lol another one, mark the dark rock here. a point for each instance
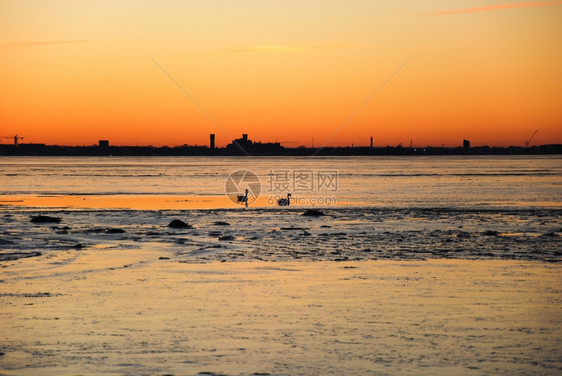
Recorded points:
(550, 234)
(221, 223)
(78, 246)
(226, 237)
(114, 231)
(313, 213)
(163, 258)
(44, 219)
(176, 223)
(96, 230)
(6, 242)
(463, 234)
(17, 255)
(490, 233)
(28, 294)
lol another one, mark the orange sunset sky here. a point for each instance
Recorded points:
(74, 72)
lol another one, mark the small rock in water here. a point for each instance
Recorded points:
(10, 256)
(96, 230)
(490, 233)
(550, 234)
(313, 213)
(176, 223)
(226, 237)
(221, 223)
(114, 231)
(44, 219)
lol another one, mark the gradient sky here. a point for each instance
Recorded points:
(74, 72)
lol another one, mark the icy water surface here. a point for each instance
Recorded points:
(285, 234)
(383, 208)
(132, 313)
(437, 181)
(419, 266)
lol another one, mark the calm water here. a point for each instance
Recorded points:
(458, 181)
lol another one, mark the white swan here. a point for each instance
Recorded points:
(243, 198)
(284, 201)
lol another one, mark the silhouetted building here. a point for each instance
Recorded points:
(212, 144)
(465, 144)
(240, 145)
(371, 142)
(246, 146)
(103, 143)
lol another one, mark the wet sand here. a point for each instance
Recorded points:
(134, 311)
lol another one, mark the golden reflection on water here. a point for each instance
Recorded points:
(138, 202)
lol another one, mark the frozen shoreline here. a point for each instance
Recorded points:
(258, 292)
(130, 312)
(281, 234)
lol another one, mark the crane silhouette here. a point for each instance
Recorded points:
(530, 139)
(16, 139)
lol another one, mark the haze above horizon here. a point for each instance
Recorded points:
(75, 72)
